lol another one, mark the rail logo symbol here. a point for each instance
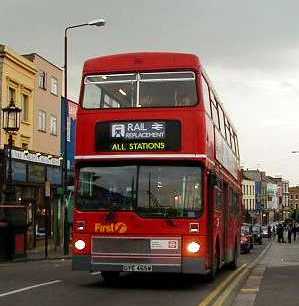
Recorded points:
(113, 228)
(172, 244)
(118, 130)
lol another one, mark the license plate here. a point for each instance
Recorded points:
(137, 268)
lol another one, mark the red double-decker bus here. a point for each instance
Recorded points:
(158, 184)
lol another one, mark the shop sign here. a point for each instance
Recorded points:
(32, 157)
(138, 136)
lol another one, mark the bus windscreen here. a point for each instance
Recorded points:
(150, 190)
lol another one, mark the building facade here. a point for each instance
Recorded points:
(249, 199)
(283, 197)
(294, 197)
(33, 163)
(46, 107)
(17, 83)
(272, 201)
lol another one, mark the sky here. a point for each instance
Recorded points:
(250, 50)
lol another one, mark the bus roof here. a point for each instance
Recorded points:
(141, 61)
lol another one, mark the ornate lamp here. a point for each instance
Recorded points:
(11, 124)
(11, 118)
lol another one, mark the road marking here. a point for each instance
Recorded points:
(30, 287)
(95, 273)
(221, 287)
(249, 290)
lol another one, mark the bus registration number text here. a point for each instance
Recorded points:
(137, 268)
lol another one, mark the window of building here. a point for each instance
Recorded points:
(54, 86)
(42, 80)
(25, 108)
(11, 94)
(24, 146)
(68, 129)
(42, 121)
(53, 125)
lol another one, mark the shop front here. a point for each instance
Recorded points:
(30, 171)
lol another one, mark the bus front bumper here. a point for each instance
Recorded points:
(186, 265)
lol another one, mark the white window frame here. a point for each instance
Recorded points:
(68, 129)
(53, 125)
(54, 86)
(42, 120)
(23, 108)
(42, 81)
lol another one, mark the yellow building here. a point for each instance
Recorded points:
(17, 82)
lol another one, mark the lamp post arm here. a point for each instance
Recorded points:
(74, 26)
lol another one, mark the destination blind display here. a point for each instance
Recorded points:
(138, 136)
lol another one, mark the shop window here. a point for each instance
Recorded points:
(36, 173)
(18, 171)
(54, 175)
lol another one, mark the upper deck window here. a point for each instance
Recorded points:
(165, 89)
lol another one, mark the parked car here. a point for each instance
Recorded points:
(265, 231)
(246, 228)
(245, 241)
(257, 234)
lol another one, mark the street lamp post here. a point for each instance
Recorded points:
(99, 23)
(11, 125)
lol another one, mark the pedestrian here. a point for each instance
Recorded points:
(290, 230)
(295, 231)
(274, 231)
(269, 232)
(279, 233)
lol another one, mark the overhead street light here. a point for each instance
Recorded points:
(98, 23)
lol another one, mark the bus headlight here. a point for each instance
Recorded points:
(193, 247)
(80, 245)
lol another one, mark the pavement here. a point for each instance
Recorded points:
(38, 253)
(274, 281)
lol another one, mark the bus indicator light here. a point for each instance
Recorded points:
(194, 228)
